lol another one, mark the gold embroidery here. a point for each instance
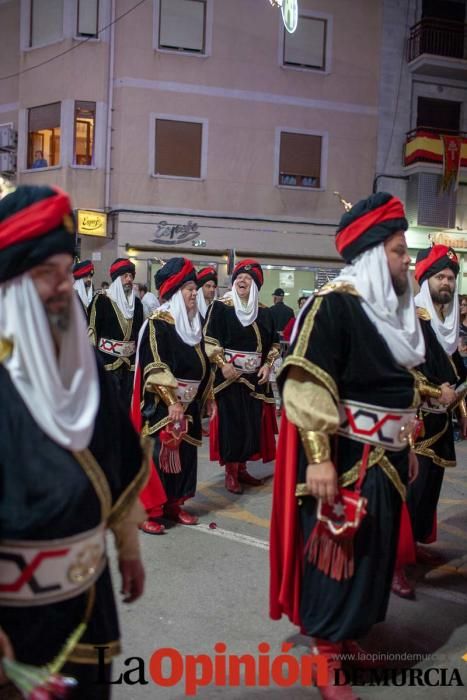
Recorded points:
(96, 476)
(6, 348)
(131, 492)
(423, 314)
(317, 372)
(87, 653)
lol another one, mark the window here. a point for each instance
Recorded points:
(44, 136)
(84, 129)
(306, 47)
(182, 25)
(87, 18)
(300, 160)
(438, 114)
(178, 148)
(46, 22)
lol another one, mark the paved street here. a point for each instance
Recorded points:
(211, 585)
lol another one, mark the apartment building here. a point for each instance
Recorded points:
(423, 98)
(198, 127)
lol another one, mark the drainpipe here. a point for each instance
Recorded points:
(391, 177)
(108, 145)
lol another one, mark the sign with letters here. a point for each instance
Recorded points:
(91, 223)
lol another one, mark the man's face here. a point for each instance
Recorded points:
(189, 291)
(442, 286)
(243, 284)
(88, 281)
(463, 307)
(127, 282)
(209, 291)
(398, 262)
(53, 280)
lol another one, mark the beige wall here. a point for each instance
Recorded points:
(243, 95)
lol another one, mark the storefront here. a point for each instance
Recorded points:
(295, 255)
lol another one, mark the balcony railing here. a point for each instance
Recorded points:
(425, 145)
(438, 38)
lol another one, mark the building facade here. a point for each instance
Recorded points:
(423, 119)
(198, 126)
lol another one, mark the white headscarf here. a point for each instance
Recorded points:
(62, 394)
(246, 313)
(124, 303)
(190, 331)
(446, 331)
(201, 303)
(395, 317)
(84, 294)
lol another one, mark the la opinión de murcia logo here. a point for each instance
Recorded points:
(167, 667)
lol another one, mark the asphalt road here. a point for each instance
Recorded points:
(207, 586)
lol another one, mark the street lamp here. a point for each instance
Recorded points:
(289, 9)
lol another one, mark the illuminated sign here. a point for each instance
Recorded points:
(92, 223)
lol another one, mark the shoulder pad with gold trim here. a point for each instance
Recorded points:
(162, 316)
(340, 287)
(262, 306)
(423, 314)
(6, 348)
(227, 302)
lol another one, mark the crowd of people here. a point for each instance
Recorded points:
(103, 395)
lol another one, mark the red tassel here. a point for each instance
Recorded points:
(169, 460)
(334, 557)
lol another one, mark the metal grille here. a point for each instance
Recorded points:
(324, 275)
(426, 205)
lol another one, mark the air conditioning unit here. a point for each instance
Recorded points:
(426, 205)
(7, 162)
(8, 137)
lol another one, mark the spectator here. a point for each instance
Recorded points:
(463, 314)
(104, 287)
(287, 332)
(280, 313)
(149, 300)
(39, 160)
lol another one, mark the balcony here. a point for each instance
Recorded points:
(425, 145)
(438, 48)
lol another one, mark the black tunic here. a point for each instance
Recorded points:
(435, 448)
(240, 403)
(342, 351)
(45, 494)
(281, 315)
(161, 348)
(107, 321)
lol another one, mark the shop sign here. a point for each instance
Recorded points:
(91, 223)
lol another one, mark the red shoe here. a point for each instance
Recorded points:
(401, 586)
(231, 478)
(245, 478)
(332, 652)
(151, 527)
(426, 556)
(181, 516)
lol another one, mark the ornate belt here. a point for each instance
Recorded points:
(186, 390)
(117, 348)
(38, 572)
(433, 406)
(378, 425)
(247, 362)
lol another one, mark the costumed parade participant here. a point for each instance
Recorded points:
(64, 482)
(242, 343)
(115, 319)
(343, 460)
(437, 303)
(83, 273)
(206, 279)
(172, 385)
